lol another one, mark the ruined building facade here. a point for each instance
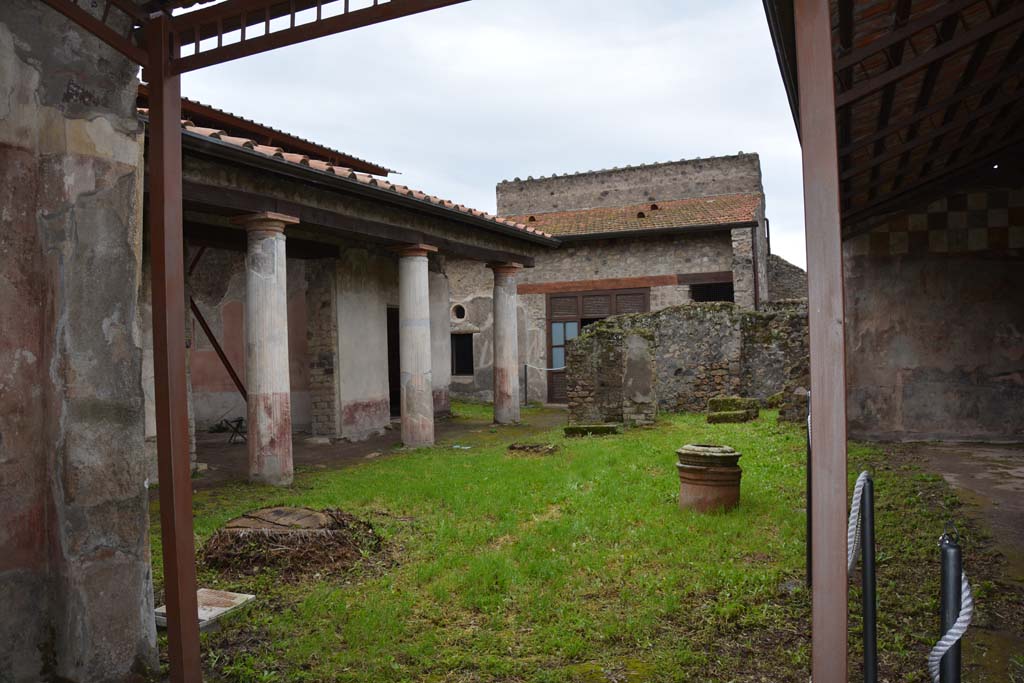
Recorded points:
(632, 240)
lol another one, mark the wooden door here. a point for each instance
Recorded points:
(569, 313)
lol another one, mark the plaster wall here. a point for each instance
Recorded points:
(935, 322)
(632, 185)
(75, 584)
(218, 286)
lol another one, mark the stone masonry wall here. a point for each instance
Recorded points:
(76, 600)
(785, 280)
(699, 351)
(611, 377)
(631, 185)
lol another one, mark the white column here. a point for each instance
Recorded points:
(414, 345)
(506, 343)
(267, 378)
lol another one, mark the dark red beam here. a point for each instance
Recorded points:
(167, 244)
(219, 20)
(828, 356)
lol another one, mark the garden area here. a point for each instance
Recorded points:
(568, 559)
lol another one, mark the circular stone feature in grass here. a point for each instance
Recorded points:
(706, 455)
(296, 541)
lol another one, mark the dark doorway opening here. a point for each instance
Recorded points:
(394, 364)
(462, 355)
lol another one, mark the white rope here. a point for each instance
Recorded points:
(956, 632)
(853, 527)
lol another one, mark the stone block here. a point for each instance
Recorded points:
(726, 403)
(593, 430)
(726, 416)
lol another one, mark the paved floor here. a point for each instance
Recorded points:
(989, 478)
(228, 462)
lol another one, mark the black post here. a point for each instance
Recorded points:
(952, 570)
(870, 602)
(809, 542)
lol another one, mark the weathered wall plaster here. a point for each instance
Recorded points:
(935, 322)
(75, 579)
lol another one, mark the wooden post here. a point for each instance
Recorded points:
(828, 371)
(165, 221)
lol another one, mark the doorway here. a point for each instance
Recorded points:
(394, 364)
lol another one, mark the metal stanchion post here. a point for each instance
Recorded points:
(868, 583)
(952, 570)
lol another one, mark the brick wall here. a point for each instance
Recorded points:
(322, 340)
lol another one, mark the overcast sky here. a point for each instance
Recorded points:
(460, 98)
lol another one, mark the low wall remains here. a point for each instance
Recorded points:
(626, 368)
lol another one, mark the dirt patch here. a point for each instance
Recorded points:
(297, 542)
(541, 449)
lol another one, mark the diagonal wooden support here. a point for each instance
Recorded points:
(99, 27)
(240, 15)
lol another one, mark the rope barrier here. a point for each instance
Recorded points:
(955, 633)
(853, 526)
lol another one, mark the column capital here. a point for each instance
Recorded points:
(265, 221)
(505, 268)
(409, 250)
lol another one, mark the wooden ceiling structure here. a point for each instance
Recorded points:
(167, 44)
(928, 98)
(897, 103)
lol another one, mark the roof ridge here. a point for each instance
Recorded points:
(628, 167)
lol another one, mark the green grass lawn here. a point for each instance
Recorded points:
(577, 566)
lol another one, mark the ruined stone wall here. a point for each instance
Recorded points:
(75, 584)
(471, 286)
(935, 321)
(785, 280)
(632, 185)
(699, 351)
(218, 286)
(322, 342)
(611, 377)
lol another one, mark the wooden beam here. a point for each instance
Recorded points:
(922, 165)
(987, 156)
(828, 357)
(898, 150)
(217, 20)
(902, 33)
(101, 30)
(337, 225)
(917, 117)
(175, 468)
(963, 40)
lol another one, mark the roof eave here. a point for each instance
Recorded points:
(235, 154)
(783, 31)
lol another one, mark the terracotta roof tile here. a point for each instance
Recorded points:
(363, 178)
(684, 213)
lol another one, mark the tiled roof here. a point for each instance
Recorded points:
(208, 116)
(286, 157)
(698, 212)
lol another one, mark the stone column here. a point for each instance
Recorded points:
(506, 343)
(266, 349)
(414, 345)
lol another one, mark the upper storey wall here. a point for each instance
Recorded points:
(740, 173)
